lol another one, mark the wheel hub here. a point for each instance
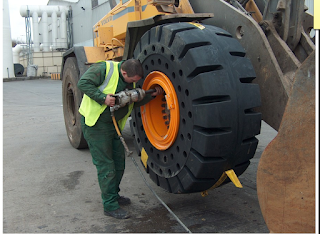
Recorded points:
(161, 116)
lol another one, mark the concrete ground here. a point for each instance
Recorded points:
(48, 186)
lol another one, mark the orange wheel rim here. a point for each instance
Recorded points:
(161, 116)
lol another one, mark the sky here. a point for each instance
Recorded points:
(17, 22)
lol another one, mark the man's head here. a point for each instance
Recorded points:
(131, 70)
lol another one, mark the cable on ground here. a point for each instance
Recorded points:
(154, 193)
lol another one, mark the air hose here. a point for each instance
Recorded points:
(128, 152)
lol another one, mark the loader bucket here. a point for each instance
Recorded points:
(286, 171)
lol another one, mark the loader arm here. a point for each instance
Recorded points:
(274, 62)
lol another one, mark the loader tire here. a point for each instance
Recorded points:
(71, 99)
(205, 124)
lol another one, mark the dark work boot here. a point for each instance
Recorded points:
(118, 213)
(123, 201)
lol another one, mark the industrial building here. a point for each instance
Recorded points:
(51, 30)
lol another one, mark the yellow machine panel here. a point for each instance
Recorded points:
(94, 54)
(112, 28)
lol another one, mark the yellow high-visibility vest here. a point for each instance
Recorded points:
(92, 110)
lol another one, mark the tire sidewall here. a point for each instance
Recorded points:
(70, 81)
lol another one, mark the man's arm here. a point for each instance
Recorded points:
(91, 80)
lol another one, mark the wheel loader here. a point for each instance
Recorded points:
(224, 66)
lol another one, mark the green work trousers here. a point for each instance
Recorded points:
(108, 156)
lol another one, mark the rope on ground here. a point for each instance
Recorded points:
(154, 193)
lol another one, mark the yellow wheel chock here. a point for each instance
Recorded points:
(232, 176)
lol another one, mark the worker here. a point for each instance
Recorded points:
(98, 84)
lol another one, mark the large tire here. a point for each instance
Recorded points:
(71, 98)
(215, 98)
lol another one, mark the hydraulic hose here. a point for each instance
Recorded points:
(128, 152)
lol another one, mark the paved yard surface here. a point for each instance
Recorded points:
(48, 186)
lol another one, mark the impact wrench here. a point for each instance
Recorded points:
(124, 98)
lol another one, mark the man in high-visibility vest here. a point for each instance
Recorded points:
(99, 83)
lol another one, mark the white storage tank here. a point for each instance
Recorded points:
(8, 70)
